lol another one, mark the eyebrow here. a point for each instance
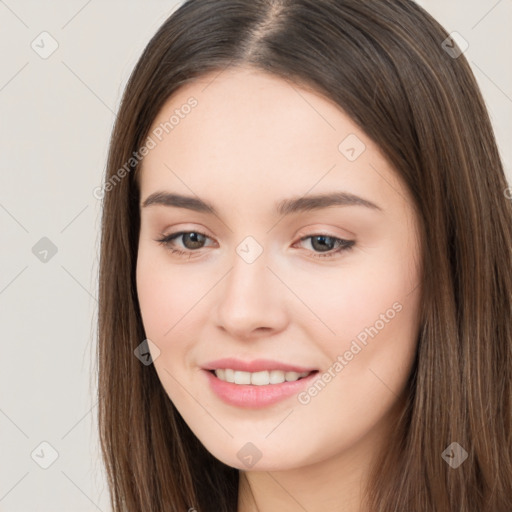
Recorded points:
(284, 207)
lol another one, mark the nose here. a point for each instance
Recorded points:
(251, 299)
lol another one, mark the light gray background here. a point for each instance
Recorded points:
(56, 117)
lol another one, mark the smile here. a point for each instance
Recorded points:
(255, 390)
(261, 378)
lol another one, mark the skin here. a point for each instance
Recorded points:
(251, 141)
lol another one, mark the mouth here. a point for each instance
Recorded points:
(260, 378)
(255, 390)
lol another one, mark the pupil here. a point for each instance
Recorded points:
(194, 237)
(322, 245)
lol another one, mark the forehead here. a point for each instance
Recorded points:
(240, 89)
(248, 113)
(253, 134)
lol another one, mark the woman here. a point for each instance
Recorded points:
(305, 287)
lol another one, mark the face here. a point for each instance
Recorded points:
(255, 267)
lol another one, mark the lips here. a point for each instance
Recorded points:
(249, 395)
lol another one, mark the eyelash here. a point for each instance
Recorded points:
(344, 245)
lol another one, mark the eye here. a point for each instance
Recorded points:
(326, 244)
(191, 239)
(194, 240)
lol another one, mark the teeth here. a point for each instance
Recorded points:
(276, 376)
(258, 378)
(242, 377)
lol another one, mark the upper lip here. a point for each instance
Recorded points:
(256, 365)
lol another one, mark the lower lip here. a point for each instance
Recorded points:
(250, 396)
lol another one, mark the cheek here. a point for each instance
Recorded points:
(372, 312)
(163, 295)
(156, 298)
(358, 296)
(375, 317)
(173, 304)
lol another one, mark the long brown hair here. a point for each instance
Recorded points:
(385, 64)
